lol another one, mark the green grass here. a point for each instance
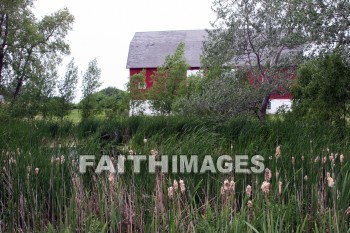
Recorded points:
(58, 198)
(74, 116)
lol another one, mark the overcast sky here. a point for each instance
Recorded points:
(104, 28)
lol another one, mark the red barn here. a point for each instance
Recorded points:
(148, 51)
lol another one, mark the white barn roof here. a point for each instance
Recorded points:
(149, 49)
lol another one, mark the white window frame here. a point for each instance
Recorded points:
(142, 85)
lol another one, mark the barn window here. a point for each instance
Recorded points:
(142, 85)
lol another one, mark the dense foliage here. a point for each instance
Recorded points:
(42, 190)
(322, 90)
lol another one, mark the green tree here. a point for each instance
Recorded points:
(91, 82)
(28, 45)
(322, 90)
(167, 82)
(112, 101)
(67, 89)
(265, 39)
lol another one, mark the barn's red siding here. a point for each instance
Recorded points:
(151, 71)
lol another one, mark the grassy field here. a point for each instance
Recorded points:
(305, 188)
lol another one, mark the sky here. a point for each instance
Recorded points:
(104, 28)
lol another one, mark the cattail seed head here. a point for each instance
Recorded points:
(317, 159)
(278, 152)
(341, 158)
(62, 159)
(175, 185)
(226, 185)
(280, 188)
(232, 186)
(324, 160)
(265, 187)
(222, 190)
(145, 140)
(111, 178)
(248, 190)
(293, 160)
(268, 174)
(182, 186)
(250, 204)
(154, 153)
(12, 161)
(348, 211)
(305, 178)
(330, 182)
(36, 171)
(170, 192)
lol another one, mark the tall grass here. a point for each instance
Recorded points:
(41, 189)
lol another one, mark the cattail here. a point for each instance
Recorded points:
(327, 149)
(18, 152)
(265, 187)
(12, 161)
(267, 174)
(331, 158)
(278, 152)
(111, 178)
(222, 190)
(293, 160)
(280, 188)
(248, 190)
(317, 159)
(58, 160)
(250, 204)
(324, 160)
(182, 186)
(277, 175)
(170, 192)
(232, 186)
(52, 159)
(226, 185)
(330, 180)
(36, 171)
(270, 158)
(154, 153)
(302, 158)
(175, 185)
(348, 211)
(145, 140)
(29, 168)
(341, 158)
(305, 178)
(62, 159)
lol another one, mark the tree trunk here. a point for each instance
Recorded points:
(18, 88)
(4, 19)
(262, 112)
